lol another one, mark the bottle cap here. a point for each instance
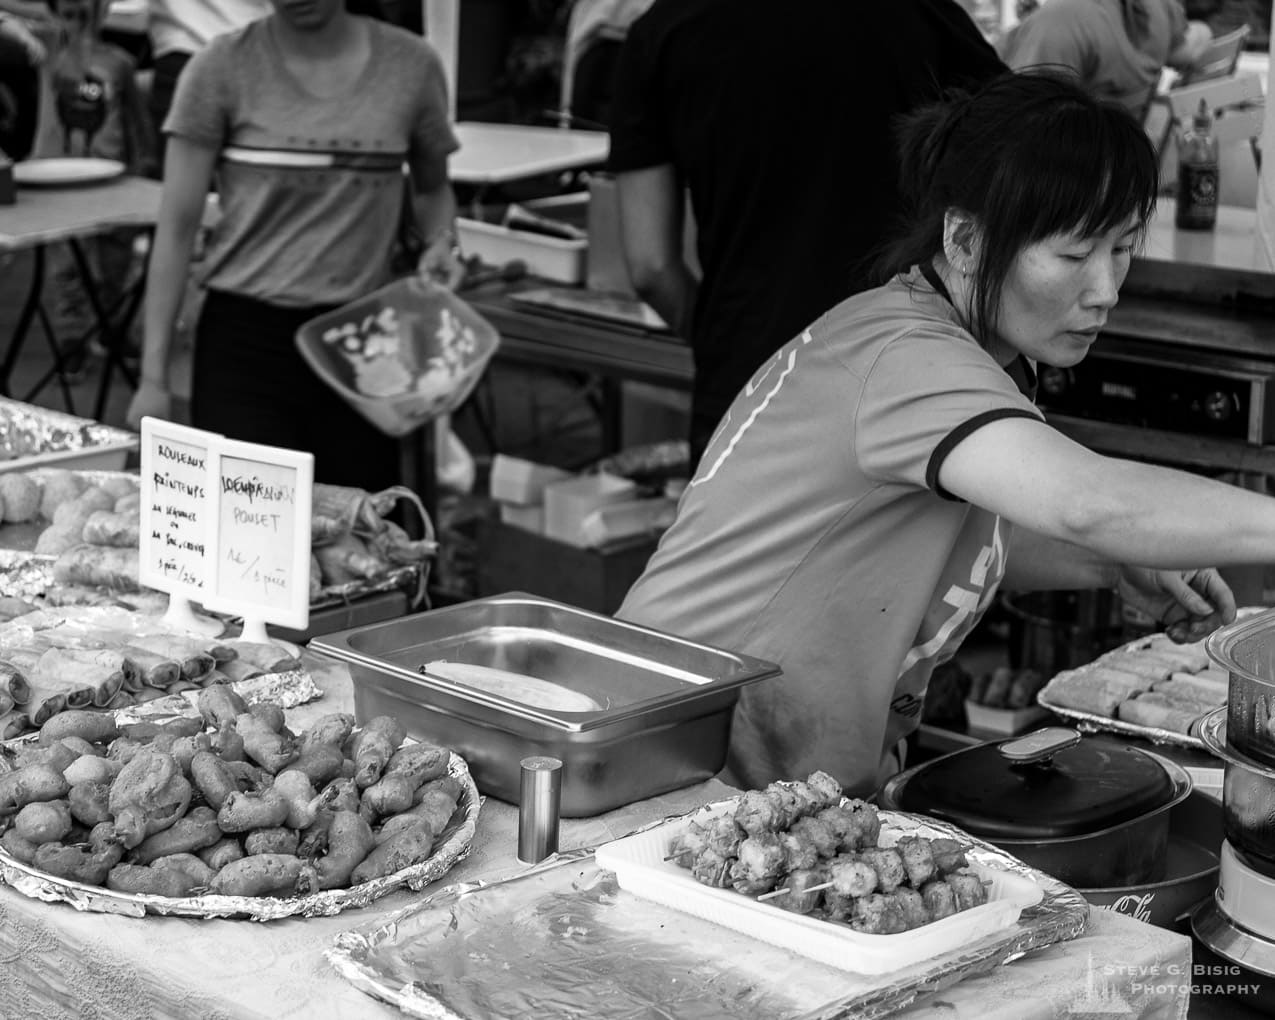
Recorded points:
(539, 803)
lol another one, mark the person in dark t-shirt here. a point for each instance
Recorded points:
(779, 123)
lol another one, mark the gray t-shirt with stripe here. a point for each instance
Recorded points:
(814, 534)
(311, 188)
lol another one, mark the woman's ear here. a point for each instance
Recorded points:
(961, 241)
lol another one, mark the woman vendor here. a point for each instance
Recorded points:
(307, 117)
(883, 473)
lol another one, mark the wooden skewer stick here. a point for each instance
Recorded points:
(780, 892)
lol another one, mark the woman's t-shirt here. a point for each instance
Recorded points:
(310, 188)
(814, 534)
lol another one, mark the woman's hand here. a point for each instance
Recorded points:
(441, 262)
(151, 400)
(1188, 604)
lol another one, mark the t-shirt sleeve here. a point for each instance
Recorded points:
(432, 137)
(1041, 40)
(202, 103)
(639, 128)
(923, 395)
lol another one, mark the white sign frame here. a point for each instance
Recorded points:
(153, 431)
(291, 612)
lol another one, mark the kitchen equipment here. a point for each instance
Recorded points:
(1190, 871)
(1248, 794)
(1093, 813)
(667, 702)
(539, 805)
(1246, 650)
(1236, 926)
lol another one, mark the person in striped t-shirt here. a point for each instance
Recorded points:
(305, 120)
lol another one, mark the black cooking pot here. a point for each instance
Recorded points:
(1090, 812)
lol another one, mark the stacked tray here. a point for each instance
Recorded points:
(33, 436)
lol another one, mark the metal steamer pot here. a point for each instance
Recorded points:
(1246, 650)
(1248, 794)
(1091, 812)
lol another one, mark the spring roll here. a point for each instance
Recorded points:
(13, 683)
(190, 654)
(73, 670)
(266, 657)
(13, 724)
(1191, 658)
(98, 566)
(1146, 710)
(110, 528)
(6, 703)
(1135, 663)
(238, 669)
(1183, 687)
(153, 669)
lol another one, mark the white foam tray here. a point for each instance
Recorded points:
(640, 868)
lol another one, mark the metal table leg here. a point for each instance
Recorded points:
(23, 325)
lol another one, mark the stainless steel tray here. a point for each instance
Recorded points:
(564, 940)
(666, 702)
(32, 436)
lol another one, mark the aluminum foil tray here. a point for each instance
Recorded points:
(33, 436)
(1090, 722)
(25, 575)
(453, 845)
(565, 941)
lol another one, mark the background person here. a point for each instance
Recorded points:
(178, 29)
(1117, 47)
(778, 121)
(21, 54)
(881, 475)
(306, 118)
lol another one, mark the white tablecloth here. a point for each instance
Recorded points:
(60, 964)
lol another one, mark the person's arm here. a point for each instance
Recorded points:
(651, 228)
(1188, 604)
(188, 173)
(436, 213)
(1187, 52)
(1121, 510)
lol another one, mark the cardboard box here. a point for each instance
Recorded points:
(510, 559)
(569, 502)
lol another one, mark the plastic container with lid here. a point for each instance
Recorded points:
(1089, 811)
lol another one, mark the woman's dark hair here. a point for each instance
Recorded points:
(1028, 155)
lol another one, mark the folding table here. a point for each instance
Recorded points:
(46, 215)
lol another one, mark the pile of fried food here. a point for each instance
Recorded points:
(1152, 682)
(230, 802)
(800, 837)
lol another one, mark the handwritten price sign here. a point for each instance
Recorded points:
(258, 560)
(175, 511)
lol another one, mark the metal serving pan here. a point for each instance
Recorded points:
(667, 701)
(32, 436)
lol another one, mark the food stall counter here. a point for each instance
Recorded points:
(60, 962)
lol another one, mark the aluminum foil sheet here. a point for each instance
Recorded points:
(563, 940)
(31, 435)
(25, 575)
(452, 846)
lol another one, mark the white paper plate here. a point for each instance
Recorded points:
(60, 171)
(639, 866)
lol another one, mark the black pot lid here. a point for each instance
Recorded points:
(1084, 788)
